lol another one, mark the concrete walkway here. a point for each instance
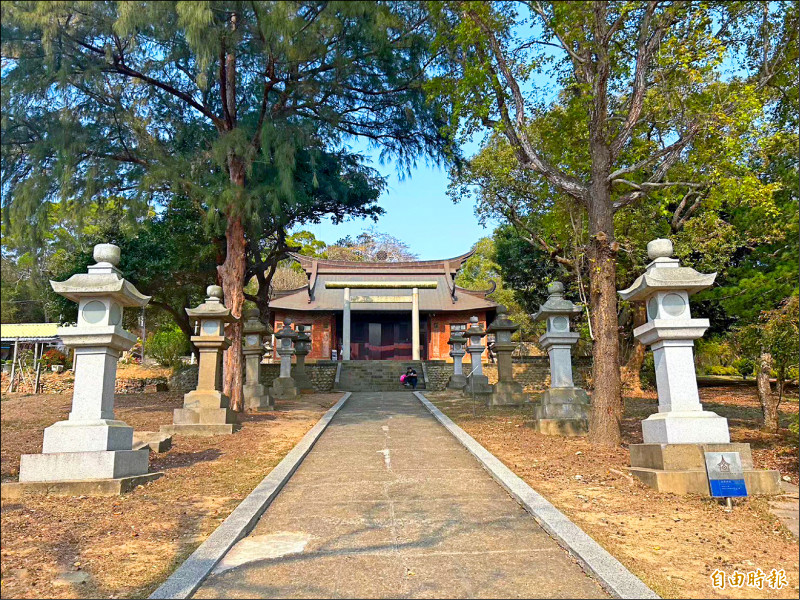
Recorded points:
(389, 504)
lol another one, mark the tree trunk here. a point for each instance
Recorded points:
(769, 405)
(633, 368)
(231, 274)
(606, 399)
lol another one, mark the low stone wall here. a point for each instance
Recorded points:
(62, 383)
(439, 373)
(533, 372)
(322, 374)
(184, 380)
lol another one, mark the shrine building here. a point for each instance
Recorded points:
(381, 310)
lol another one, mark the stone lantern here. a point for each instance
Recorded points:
(671, 457)
(507, 392)
(302, 346)
(91, 444)
(255, 394)
(206, 410)
(477, 382)
(284, 386)
(456, 342)
(562, 409)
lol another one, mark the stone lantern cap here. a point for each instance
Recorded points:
(556, 304)
(474, 328)
(212, 308)
(103, 279)
(664, 273)
(286, 330)
(457, 337)
(502, 322)
(252, 324)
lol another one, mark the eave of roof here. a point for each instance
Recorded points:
(325, 265)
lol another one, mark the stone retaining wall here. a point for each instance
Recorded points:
(533, 373)
(61, 383)
(322, 374)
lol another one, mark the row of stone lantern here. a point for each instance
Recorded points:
(92, 451)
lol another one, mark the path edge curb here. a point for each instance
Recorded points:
(190, 575)
(612, 575)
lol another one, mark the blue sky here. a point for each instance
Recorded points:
(418, 211)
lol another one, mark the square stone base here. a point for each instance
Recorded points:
(457, 382)
(200, 429)
(87, 436)
(283, 388)
(566, 427)
(72, 466)
(508, 393)
(303, 382)
(680, 468)
(205, 416)
(690, 427)
(205, 399)
(85, 487)
(155, 441)
(258, 403)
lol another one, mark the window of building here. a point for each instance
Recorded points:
(303, 328)
(457, 327)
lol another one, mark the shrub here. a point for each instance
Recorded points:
(648, 373)
(744, 366)
(167, 346)
(53, 357)
(720, 370)
(794, 424)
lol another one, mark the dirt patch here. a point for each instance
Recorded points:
(673, 543)
(126, 546)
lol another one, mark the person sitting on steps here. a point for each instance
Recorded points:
(411, 378)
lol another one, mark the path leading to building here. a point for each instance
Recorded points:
(389, 504)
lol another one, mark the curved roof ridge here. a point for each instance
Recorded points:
(307, 261)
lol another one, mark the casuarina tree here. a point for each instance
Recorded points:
(637, 85)
(146, 100)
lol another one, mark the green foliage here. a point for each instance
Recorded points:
(722, 370)
(130, 99)
(714, 352)
(776, 332)
(744, 366)
(481, 272)
(167, 346)
(794, 424)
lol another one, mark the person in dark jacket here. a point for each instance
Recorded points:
(411, 378)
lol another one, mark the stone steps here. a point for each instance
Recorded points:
(376, 375)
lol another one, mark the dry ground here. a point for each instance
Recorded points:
(128, 545)
(673, 543)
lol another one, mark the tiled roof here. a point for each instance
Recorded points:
(11, 331)
(430, 299)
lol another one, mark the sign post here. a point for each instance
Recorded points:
(725, 475)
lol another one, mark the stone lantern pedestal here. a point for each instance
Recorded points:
(507, 392)
(302, 346)
(91, 452)
(254, 392)
(458, 380)
(284, 387)
(671, 457)
(206, 410)
(563, 409)
(477, 383)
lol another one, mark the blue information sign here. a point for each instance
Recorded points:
(725, 474)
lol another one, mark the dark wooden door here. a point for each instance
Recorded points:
(375, 341)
